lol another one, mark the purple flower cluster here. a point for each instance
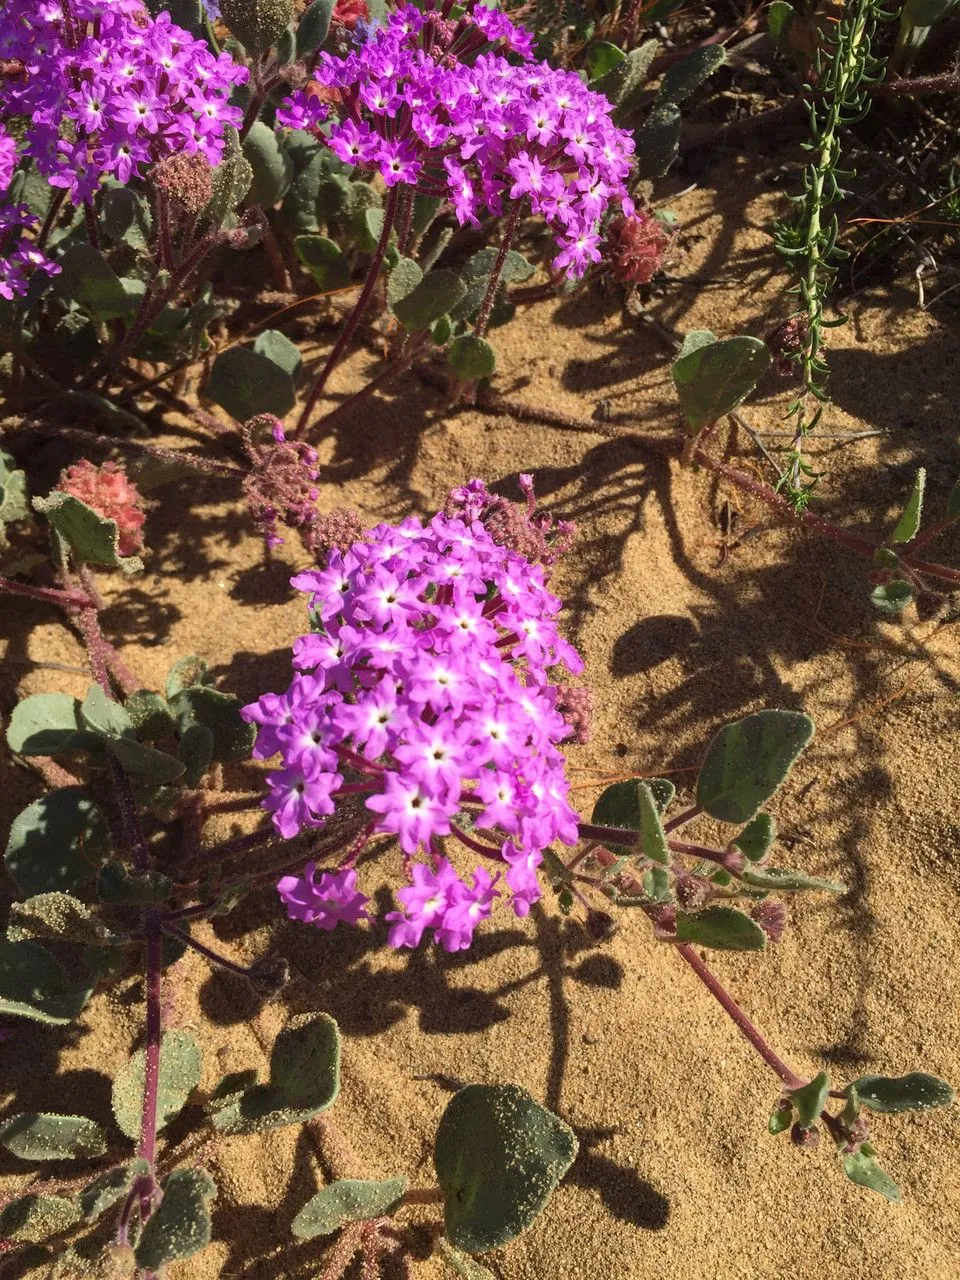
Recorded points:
(19, 256)
(424, 693)
(421, 105)
(106, 89)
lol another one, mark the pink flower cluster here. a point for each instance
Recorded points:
(19, 256)
(424, 691)
(420, 104)
(112, 495)
(106, 89)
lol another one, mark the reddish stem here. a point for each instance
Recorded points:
(52, 595)
(730, 1006)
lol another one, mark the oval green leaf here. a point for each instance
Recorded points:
(748, 760)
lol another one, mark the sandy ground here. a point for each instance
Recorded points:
(676, 1174)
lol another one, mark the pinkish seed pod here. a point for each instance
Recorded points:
(636, 247)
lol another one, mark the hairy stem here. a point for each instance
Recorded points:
(350, 328)
(483, 319)
(51, 595)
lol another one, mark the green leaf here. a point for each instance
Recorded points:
(658, 141)
(462, 1264)
(150, 715)
(864, 1170)
(811, 1099)
(34, 1219)
(88, 279)
(32, 1136)
(914, 1092)
(180, 1064)
(270, 165)
(892, 597)
(635, 72)
(756, 839)
(748, 760)
(92, 538)
(232, 179)
(909, 523)
(663, 792)
(245, 382)
(499, 1156)
(953, 503)
(475, 276)
(656, 885)
(304, 1079)
(220, 713)
(58, 917)
(683, 77)
(366, 223)
(180, 1227)
(104, 716)
(120, 886)
(143, 762)
(436, 295)
(187, 672)
(58, 842)
(257, 24)
(631, 804)
(696, 339)
(345, 1201)
(278, 349)
(723, 928)
(780, 1120)
(780, 18)
(110, 1187)
(785, 880)
(602, 58)
(195, 753)
(471, 358)
(34, 985)
(403, 280)
(714, 379)
(313, 27)
(325, 261)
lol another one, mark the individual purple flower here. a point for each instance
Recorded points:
(19, 257)
(8, 158)
(325, 902)
(425, 698)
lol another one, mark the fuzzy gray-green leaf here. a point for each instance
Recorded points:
(102, 715)
(864, 1170)
(257, 24)
(180, 1064)
(917, 1091)
(723, 928)
(36, 1136)
(232, 179)
(143, 762)
(245, 383)
(786, 880)
(757, 837)
(892, 597)
(909, 523)
(34, 1219)
(58, 842)
(658, 140)
(58, 917)
(45, 724)
(110, 1187)
(271, 166)
(437, 294)
(313, 27)
(683, 77)
(498, 1155)
(748, 760)
(348, 1200)
(471, 358)
(810, 1099)
(220, 713)
(150, 715)
(325, 261)
(403, 280)
(34, 985)
(714, 378)
(180, 1227)
(92, 538)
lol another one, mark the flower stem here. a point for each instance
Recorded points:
(744, 1024)
(350, 328)
(52, 595)
(483, 318)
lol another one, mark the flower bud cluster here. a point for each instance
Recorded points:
(424, 694)
(109, 491)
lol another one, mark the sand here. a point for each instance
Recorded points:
(683, 628)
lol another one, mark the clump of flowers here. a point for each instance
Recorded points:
(107, 89)
(19, 255)
(636, 245)
(424, 695)
(420, 104)
(109, 491)
(281, 484)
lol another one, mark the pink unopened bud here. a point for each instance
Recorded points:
(112, 495)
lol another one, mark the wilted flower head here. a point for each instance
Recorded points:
(112, 495)
(423, 695)
(280, 486)
(636, 245)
